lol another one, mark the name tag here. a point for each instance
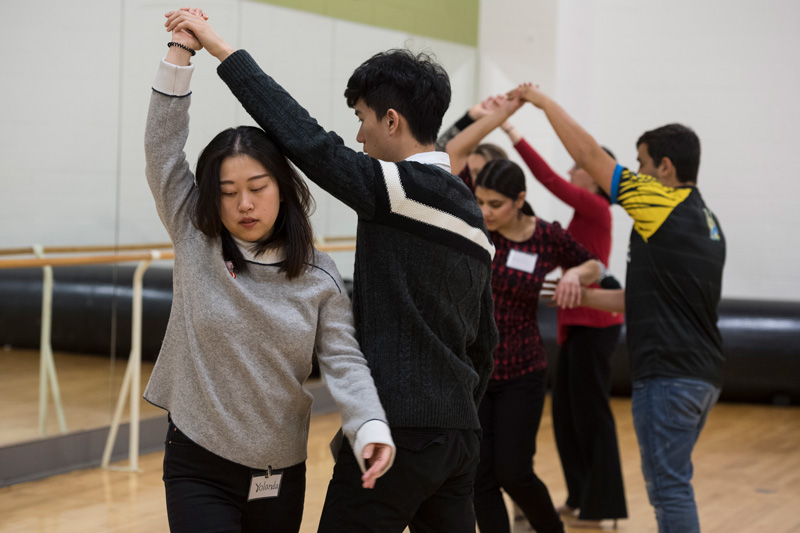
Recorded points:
(265, 486)
(521, 261)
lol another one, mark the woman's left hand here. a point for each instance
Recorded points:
(377, 457)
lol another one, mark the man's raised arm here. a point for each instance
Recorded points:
(585, 151)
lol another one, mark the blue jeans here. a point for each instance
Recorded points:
(668, 415)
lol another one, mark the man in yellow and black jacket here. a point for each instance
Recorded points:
(673, 287)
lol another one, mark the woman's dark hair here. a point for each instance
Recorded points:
(292, 229)
(505, 177)
(490, 152)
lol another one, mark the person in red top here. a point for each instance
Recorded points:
(527, 249)
(582, 419)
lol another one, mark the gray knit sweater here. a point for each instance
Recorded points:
(237, 351)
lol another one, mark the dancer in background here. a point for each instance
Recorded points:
(528, 248)
(674, 281)
(583, 423)
(582, 419)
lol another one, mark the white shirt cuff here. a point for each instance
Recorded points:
(172, 79)
(373, 431)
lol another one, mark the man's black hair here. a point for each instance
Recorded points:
(677, 142)
(415, 86)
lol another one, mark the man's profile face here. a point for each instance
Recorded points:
(646, 164)
(372, 133)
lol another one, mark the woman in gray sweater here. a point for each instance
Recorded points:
(252, 300)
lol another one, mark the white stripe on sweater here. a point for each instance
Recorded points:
(401, 204)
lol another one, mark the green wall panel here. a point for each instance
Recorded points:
(448, 20)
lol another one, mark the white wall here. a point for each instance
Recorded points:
(76, 77)
(729, 70)
(76, 91)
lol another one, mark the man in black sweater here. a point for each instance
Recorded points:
(422, 290)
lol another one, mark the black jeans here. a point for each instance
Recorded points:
(208, 493)
(429, 487)
(584, 426)
(510, 414)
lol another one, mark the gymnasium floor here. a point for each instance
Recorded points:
(747, 478)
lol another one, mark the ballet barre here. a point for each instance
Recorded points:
(131, 384)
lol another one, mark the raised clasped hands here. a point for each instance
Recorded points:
(484, 107)
(195, 21)
(529, 92)
(510, 103)
(186, 37)
(501, 103)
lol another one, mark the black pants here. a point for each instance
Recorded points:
(510, 414)
(208, 493)
(429, 487)
(584, 425)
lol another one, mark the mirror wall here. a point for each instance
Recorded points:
(60, 177)
(73, 112)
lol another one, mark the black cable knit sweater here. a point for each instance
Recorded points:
(422, 286)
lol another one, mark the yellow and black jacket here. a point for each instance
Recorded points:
(675, 258)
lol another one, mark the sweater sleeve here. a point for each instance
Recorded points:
(452, 131)
(345, 369)
(322, 156)
(569, 252)
(481, 352)
(168, 175)
(579, 199)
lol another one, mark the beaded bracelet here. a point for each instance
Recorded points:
(180, 45)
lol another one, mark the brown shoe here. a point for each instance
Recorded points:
(566, 510)
(585, 524)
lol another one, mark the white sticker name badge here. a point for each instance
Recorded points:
(521, 261)
(265, 485)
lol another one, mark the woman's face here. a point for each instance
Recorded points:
(498, 209)
(582, 179)
(249, 198)
(475, 163)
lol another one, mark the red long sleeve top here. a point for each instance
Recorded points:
(590, 226)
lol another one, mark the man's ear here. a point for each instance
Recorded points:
(666, 170)
(392, 118)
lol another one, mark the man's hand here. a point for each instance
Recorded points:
(186, 37)
(194, 20)
(568, 290)
(529, 92)
(510, 103)
(376, 456)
